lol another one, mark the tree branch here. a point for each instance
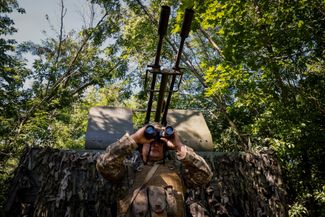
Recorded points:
(232, 124)
(69, 73)
(213, 44)
(90, 82)
(63, 13)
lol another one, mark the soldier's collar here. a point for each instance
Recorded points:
(150, 163)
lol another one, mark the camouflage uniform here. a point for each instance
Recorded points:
(172, 177)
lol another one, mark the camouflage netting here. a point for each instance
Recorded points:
(51, 182)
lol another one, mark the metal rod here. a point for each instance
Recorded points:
(179, 55)
(164, 118)
(162, 90)
(152, 87)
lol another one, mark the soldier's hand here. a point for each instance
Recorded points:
(139, 137)
(174, 142)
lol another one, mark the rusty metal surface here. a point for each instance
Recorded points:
(106, 125)
(192, 128)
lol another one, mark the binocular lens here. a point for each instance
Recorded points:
(169, 131)
(150, 130)
(152, 133)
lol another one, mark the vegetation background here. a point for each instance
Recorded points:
(254, 68)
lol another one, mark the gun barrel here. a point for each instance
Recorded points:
(186, 27)
(163, 21)
(162, 30)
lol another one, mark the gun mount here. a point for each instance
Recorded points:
(107, 124)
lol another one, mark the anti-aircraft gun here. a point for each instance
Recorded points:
(107, 124)
(51, 182)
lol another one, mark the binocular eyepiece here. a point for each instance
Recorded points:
(152, 133)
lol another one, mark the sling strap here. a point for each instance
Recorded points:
(151, 172)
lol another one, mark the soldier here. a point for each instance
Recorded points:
(160, 169)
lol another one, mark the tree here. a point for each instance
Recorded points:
(272, 76)
(12, 76)
(65, 66)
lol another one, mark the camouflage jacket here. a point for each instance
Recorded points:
(112, 164)
(120, 162)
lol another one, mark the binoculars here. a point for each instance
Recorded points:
(152, 133)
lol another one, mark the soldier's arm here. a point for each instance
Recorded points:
(111, 163)
(196, 170)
